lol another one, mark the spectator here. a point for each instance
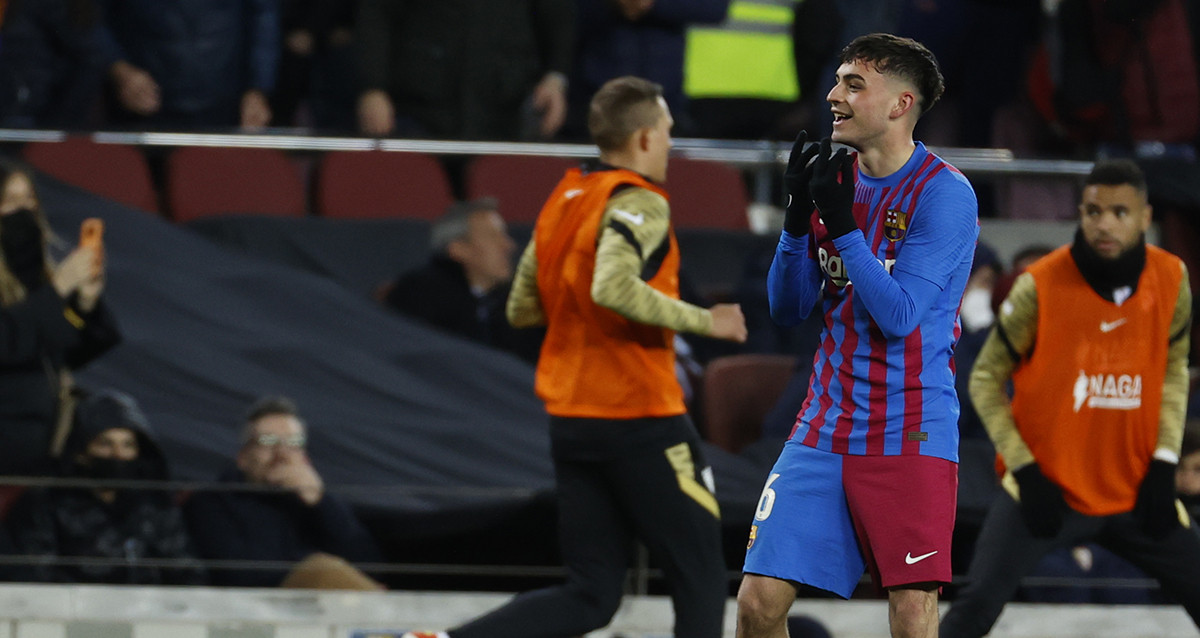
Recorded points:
(191, 63)
(986, 45)
(976, 316)
(50, 74)
(317, 82)
(1021, 261)
(464, 69)
(298, 522)
(746, 77)
(52, 320)
(111, 440)
(644, 38)
(463, 288)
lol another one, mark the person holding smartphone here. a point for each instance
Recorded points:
(52, 321)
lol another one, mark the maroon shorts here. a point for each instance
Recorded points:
(903, 512)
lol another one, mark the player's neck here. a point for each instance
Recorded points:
(886, 157)
(625, 159)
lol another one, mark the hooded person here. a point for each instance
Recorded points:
(111, 442)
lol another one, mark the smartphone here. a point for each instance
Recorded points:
(91, 235)
(91, 232)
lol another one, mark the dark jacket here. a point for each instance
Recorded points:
(204, 54)
(75, 523)
(439, 294)
(50, 67)
(260, 526)
(610, 46)
(463, 68)
(37, 342)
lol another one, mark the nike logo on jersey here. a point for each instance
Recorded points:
(1109, 326)
(572, 193)
(909, 559)
(636, 220)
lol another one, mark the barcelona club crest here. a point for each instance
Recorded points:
(895, 225)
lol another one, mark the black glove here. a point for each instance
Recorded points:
(1042, 503)
(798, 214)
(832, 188)
(1155, 507)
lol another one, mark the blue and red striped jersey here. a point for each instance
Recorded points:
(883, 375)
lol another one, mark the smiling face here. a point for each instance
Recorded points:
(865, 102)
(1113, 218)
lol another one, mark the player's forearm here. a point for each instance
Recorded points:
(617, 286)
(897, 300)
(793, 281)
(993, 368)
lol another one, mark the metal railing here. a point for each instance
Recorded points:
(747, 154)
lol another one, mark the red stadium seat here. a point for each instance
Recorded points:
(204, 181)
(379, 185)
(706, 194)
(118, 172)
(737, 393)
(521, 182)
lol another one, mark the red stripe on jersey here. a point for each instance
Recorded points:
(823, 402)
(913, 396)
(877, 396)
(925, 178)
(844, 424)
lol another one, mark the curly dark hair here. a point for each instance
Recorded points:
(904, 58)
(1115, 172)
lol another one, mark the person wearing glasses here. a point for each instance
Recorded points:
(293, 519)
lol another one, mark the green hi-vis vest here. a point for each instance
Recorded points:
(747, 56)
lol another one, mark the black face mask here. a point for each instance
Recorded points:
(114, 469)
(22, 242)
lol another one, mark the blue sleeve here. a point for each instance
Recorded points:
(264, 46)
(689, 11)
(793, 282)
(945, 226)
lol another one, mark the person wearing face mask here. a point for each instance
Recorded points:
(111, 441)
(52, 320)
(976, 316)
(1094, 338)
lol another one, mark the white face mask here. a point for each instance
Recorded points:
(976, 310)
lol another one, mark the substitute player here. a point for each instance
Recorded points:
(1094, 337)
(602, 274)
(869, 475)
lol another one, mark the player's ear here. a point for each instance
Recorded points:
(905, 103)
(643, 138)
